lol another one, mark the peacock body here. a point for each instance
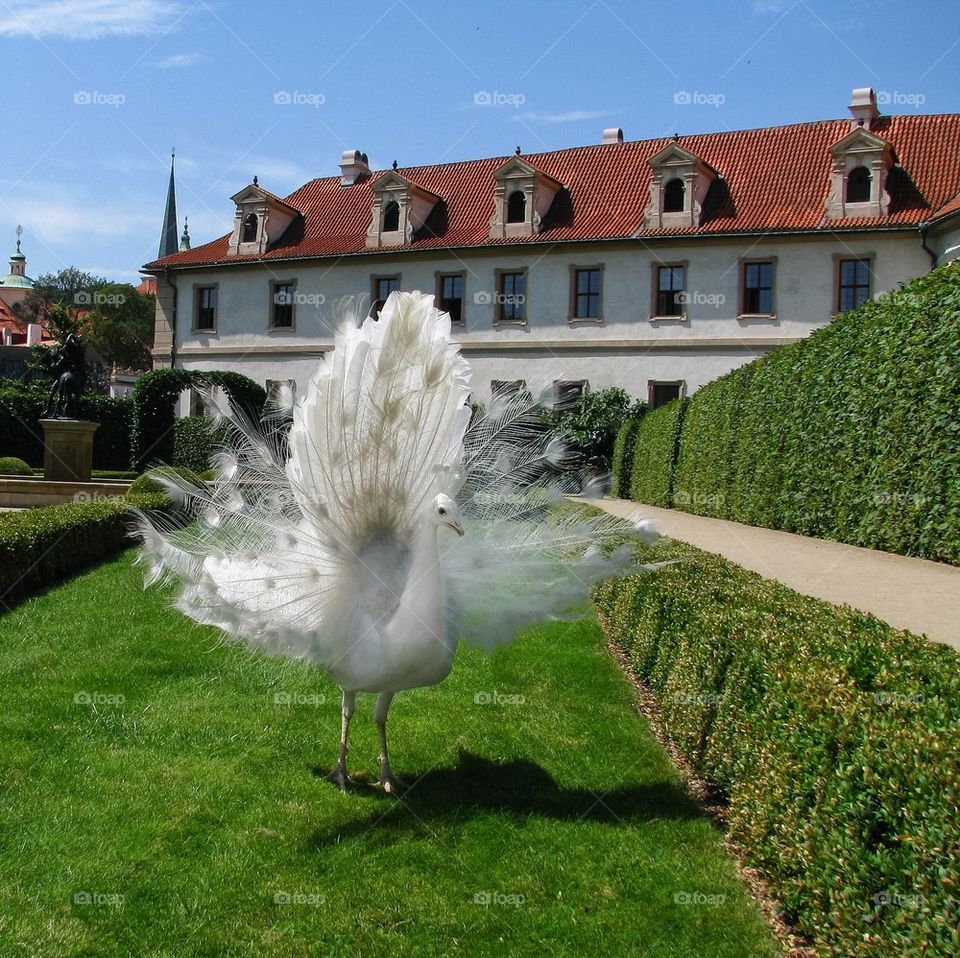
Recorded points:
(321, 542)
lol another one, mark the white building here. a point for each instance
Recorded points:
(654, 265)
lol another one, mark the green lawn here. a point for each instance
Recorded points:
(184, 811)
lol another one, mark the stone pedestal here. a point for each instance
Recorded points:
(68, 449)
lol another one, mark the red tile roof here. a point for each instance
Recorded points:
(948, 209)
(771, 179)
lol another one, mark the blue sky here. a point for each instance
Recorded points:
(97, 91)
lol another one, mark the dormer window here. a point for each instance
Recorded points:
(673, 196)
(858, 177)
(521, 199)
(858, 185)
(260, 220)
(516, 207)
(400, 209)
(391, 217)
(678, 187)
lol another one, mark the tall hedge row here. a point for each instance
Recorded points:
(832, 735)
(154, 396)
(22, 436)
(852, 434)
(654, 454)
(622, 463)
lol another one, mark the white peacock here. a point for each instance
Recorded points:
(321, 543)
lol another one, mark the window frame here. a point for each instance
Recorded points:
(742, 264)
(572, 318)
(868, 173)
(498, 316)
(383, 216)
(197, 287)
(656, 266)
(243, 228)
(506, 212)
(683, 194)
(271, 324)
(521, 385)
(838, 260)
(439, 277)
(681, 385)
(375, 280)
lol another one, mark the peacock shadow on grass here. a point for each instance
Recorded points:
(519, 788)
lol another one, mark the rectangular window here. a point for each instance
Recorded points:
(757, 289)
(671, 282)
(275, 387)
(854, 284)
(205, 308)
(381, 288)
(505, 388)
(284, 296)
(450, 295)
(586, 294)
(512, 298)
(660, 393)
(568, 392)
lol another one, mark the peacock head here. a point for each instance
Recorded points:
(446, 513)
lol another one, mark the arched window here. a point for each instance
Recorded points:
(516, 207)
(391, 217)
(249, 228)
(673, 196)
(858, 185)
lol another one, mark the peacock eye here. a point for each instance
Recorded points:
(442, 511)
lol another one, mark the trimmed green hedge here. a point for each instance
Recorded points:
(195, 440)
(654, 454)
(21, 435)
(622, 465)
(147, 485)
(40, 547)
(833, 736)
(152, 434)
(852, 434)
(12, 466)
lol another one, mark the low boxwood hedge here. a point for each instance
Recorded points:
(40, 547)
(654, 454)
(833, 736)
(12, 466)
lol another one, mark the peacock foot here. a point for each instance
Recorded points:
(340, 776)
(389, 783)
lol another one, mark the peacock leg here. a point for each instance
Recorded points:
(339, 774)
(387, 782)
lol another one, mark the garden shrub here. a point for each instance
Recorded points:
(832, 735)
(12, 466)
(40, 547)
(195, 440)
(152, 433)
(654, 454)
(622, 464)
(852, 434)
(147, 485)
(593, 423)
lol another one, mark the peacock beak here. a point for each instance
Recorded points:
(457, 528)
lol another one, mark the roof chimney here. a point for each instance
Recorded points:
(353, 165)
(863, 107)
(612, 135)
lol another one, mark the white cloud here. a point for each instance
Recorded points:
(88, 19)
(178, 61)
(58, 220)
(571, 116)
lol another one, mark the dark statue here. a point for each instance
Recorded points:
(70, 377)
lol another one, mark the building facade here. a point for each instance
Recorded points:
(653, 265)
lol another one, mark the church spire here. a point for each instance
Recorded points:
(168, 237)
